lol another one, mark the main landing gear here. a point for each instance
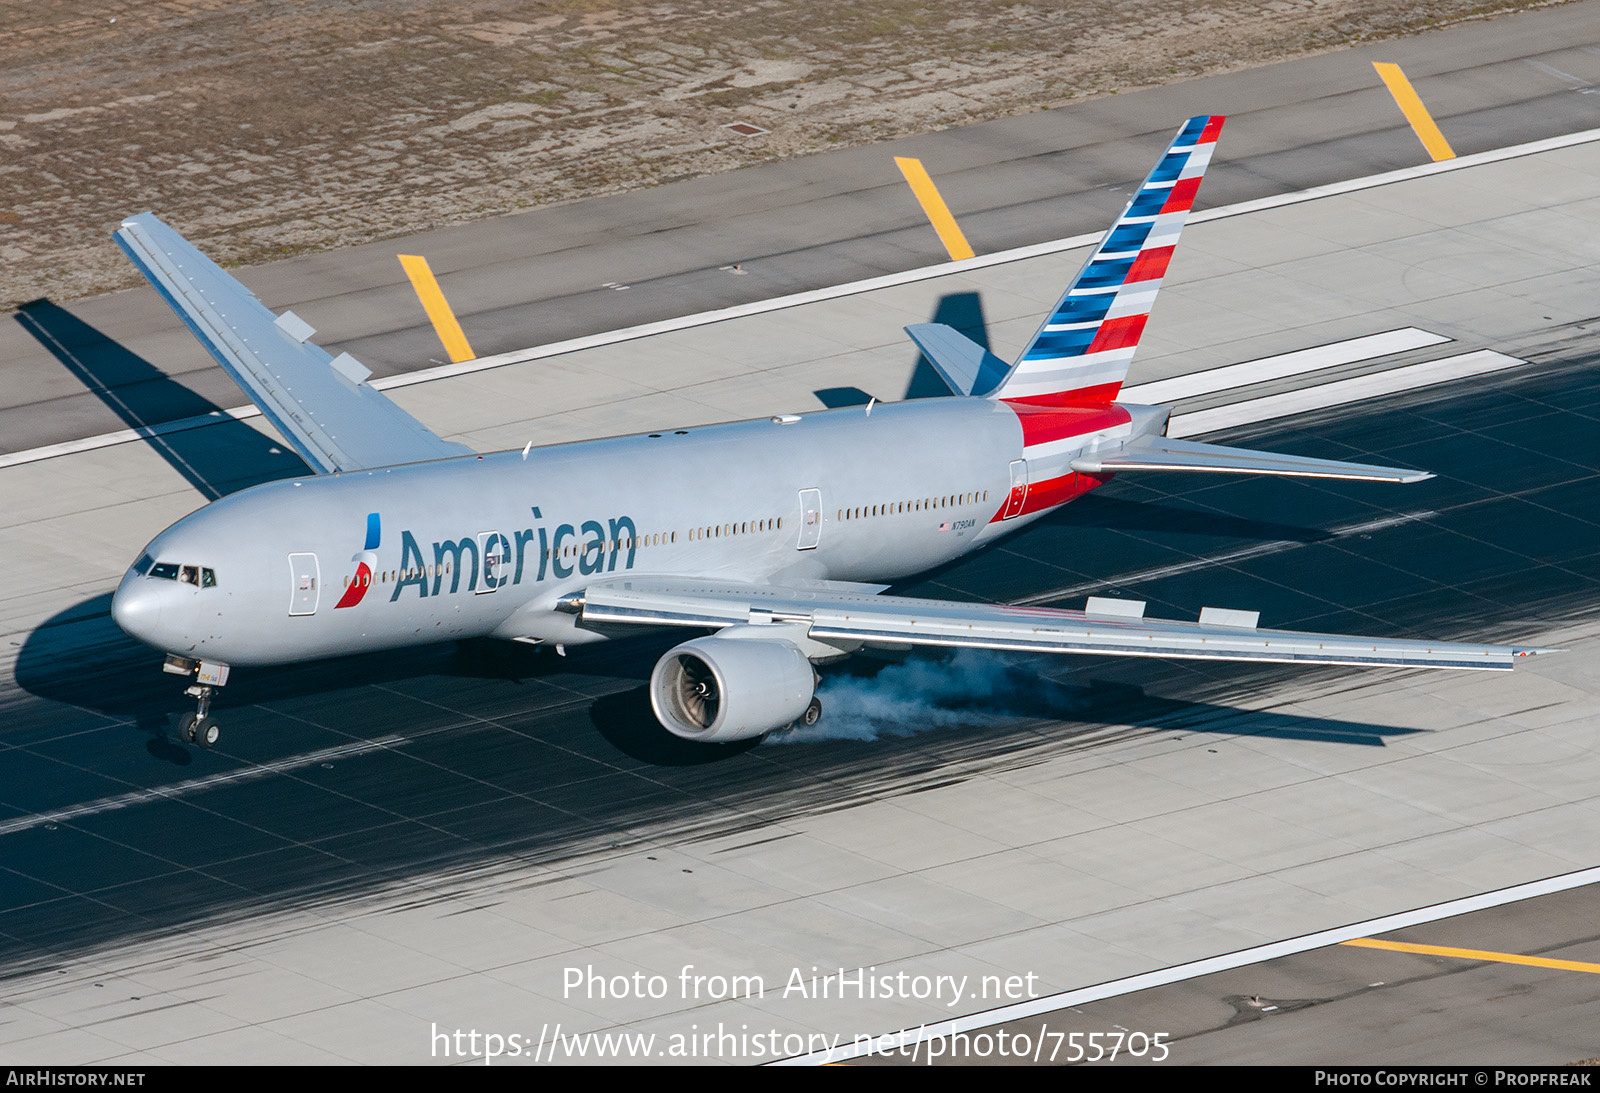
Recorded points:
(813, 713)
(199, 728)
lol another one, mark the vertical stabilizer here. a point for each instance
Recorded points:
(1080, 354)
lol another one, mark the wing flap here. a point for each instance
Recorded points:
(1163, 454)
(321, 404)
(851, 618)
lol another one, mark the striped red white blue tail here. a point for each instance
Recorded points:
(1081, 353)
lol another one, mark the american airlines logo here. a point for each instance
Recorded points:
(366, 562)
(493, 559)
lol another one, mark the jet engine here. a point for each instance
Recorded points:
(716, 689)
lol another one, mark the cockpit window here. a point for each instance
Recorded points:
(142, 566)
(199, 576)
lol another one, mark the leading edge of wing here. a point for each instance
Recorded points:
(1108, 628)
(321, 404)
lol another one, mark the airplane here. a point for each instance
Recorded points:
(779, 536)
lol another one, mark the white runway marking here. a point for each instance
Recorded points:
(1576, 82)
(124, 436)
(1193, 970)
(1332, 355)
(1340, 392)
(195, 785)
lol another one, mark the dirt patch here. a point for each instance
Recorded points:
(268, 128)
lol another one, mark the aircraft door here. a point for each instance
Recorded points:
(304, 584)
(495, 550)
(1019, 488)
(810, 519)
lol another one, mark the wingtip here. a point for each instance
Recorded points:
(1528, 651)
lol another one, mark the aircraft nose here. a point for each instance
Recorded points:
(136, 607)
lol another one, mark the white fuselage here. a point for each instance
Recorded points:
(486, 545)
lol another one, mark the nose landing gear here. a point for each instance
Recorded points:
(199, 728)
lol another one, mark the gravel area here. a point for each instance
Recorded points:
(272, 127)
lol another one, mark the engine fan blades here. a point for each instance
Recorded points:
(697, 691)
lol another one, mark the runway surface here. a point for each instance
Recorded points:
(419, 777)
(386, 844)
(1377, 1000)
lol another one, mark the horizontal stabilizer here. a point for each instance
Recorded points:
(966, 366)
(321, 404)
(1164, 454)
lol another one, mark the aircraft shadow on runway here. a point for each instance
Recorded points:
(512, 767)
(81, 658)
(215, 460)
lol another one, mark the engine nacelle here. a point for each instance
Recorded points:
(716, 689)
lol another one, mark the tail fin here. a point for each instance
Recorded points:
(1080, 354)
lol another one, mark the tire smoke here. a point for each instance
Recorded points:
(971, 688)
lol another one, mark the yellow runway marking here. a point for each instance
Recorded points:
(439, 313)
(934, 206)
(1417, 114)
(1476, 954)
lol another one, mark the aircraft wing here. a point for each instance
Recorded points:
(321, 404)
(847, 617)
